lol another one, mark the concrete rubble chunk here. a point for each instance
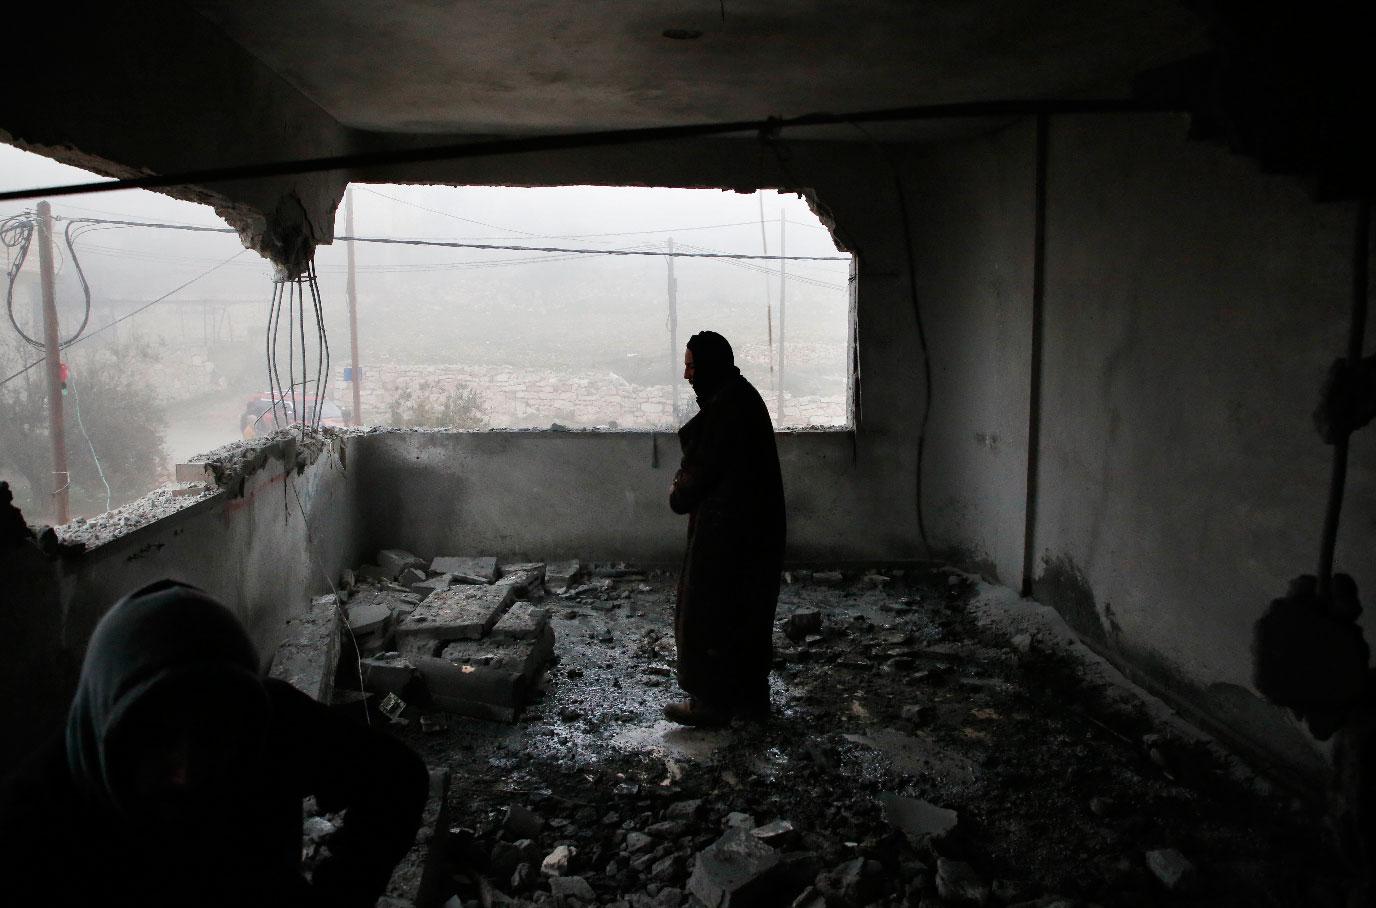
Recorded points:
(458, 613)
(482, 569)
(917, 819)
(522, 621)
(684, 810)
(735, 871)
(308, 656)
(957, 881)
(388, 673)
(738, 820)
(557, 861)
(802, 623)
(372, 572)
(566, 887)
(410, 576)
(560, 575)
(1172, 868)
(394, 561)
(508, 856)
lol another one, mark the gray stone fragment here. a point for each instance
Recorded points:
(638, 841)
(565, 887)
(734, 872)
(799, 625)
(958, 882)
(556, 863)
(773, 833)
(917, 819)
(507, 856)
(684, 810)
(668, 829)
(829, 578)
(394, 561)
(1172, 868)
(373, 572)
(411, 575)
(738, 820)
(527, 581)
(482, 569)
(308, 656)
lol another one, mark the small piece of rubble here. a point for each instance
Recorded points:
(556, 863)
(432, 584)
(481, 569)
(566, 887)
(522, 822)
(802, 624)
(1171, 868)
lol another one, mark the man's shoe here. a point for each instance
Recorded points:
(696, 713)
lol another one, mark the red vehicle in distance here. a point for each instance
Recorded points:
(260, 417)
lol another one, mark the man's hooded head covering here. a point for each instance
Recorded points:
(714, 364)
(166, 643)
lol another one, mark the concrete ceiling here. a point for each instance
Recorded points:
(518, 67)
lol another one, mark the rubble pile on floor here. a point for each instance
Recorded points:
(915, 758)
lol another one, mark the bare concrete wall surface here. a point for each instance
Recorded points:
(591, 495)
(1193, 306)
(250, 550)
(972, 208)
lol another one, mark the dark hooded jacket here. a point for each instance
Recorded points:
(729, 485)
(74, 831)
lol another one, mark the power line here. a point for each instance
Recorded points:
(129, 315)
(499, 247)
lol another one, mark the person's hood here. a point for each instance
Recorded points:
(165, 634)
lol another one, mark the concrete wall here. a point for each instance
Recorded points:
(592, 495)
(252, 551)
(972, 211)
(1193, 305)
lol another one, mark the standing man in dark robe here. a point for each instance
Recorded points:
(730, 487)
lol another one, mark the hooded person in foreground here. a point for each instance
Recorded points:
(180, 777)
(730, 487)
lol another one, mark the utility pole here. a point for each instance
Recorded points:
(779, 413)
(351, 291)
(56, 427)
(768, 309)
(674, 355)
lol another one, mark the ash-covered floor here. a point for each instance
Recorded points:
(916, 696)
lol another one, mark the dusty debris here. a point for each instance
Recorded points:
(458, 613)
(1172, 868)
(394, 561)
(735, 871)
(920, 821)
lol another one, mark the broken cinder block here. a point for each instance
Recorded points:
(487, 679)
(307, 657)
(525, 579)
(522, 621)
(466, 570)
(560, 575)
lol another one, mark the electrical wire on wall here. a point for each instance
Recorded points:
(295, 402)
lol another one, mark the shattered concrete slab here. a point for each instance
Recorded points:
(307, 658)
(458, 613)
(525, 579)
(388, 673)
(487, 679)
(735, 871)
(431, 585)
(481, 569)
